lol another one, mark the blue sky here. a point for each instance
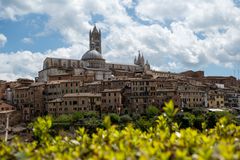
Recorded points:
(174, 35)
(25, 34)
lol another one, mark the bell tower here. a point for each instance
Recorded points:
(95, 39)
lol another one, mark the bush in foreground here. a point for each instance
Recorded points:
(163, 141)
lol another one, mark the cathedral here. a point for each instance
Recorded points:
(91, 67)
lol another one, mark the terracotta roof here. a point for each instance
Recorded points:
(6, 107)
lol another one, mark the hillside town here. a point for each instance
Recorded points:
(65, 86)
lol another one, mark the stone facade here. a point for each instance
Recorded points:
(75, 102)
(30, 100)
(112, 101)
(215, 99)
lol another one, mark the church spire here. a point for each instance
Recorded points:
(95, 39)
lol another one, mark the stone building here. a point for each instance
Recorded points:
(215, 98)
(197, 74)
(30, 100)
(112, 101)
(15, 117)
(91, 67)
(191, 95)
(57, 89)
(227, 81)
(138, 95)
(3, 86)
(75, 102)
(230, 97)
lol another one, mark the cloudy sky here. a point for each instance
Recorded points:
(174, 35)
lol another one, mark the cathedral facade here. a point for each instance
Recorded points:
(91, 67)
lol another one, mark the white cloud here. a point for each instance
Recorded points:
(3, 40)
(170, 40)
(128, 3)
(26, 64)
(27, 40)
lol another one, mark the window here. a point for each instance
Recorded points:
(83, 102)
(74, 102)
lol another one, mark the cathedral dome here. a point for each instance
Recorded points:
(92, 55)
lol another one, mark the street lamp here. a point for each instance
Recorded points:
(7, 124)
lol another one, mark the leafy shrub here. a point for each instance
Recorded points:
(162, 141)
(77, 116)
(90, 114)
(125, 119)
(187, 120)
(115, 119)
(152, 111)
(143, 123)
(199, 120)
(64, 118)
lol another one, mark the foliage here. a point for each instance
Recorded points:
(41, 128)
(152, 111)
(198, 122)
(64, 118)
(169, 110)
(115, 119)
(143, 123)
(165, 140)
(186, 120)
(125, 119)
(213, 117)
(90, 114)
(135, 116)
(77, 116)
